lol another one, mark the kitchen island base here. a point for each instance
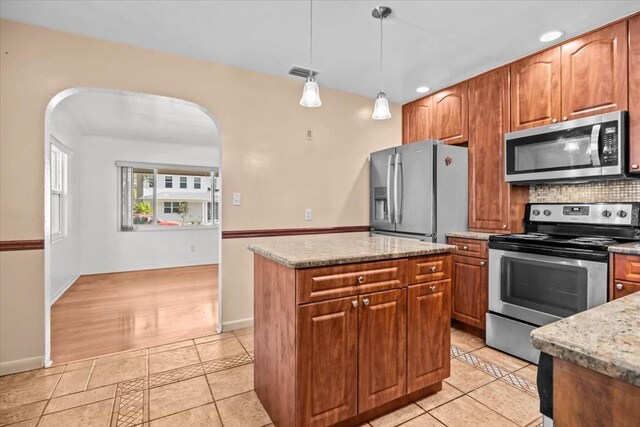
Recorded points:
(332, 343)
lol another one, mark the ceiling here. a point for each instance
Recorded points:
(433, 43)
(102, 112)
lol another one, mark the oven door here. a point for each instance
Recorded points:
(540, 289)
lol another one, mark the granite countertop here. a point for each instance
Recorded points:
(474, 235)
(345, 250)
(632, 248)
(605, 339)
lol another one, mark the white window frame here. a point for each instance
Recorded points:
(157, 208)
(186, 182)
(197, 181)
(59, 172)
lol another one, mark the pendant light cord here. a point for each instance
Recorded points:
(311, 38)
(381, 79)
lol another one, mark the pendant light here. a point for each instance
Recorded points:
(381, 107)
(311, 92)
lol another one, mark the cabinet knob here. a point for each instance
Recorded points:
(365, 301)
(619, 286)
(433, 268)
(554, 120)
(433, 288)
(504, 225)
(482, 263)
(360, 280)
(354, 302)
(465, 247)
(564, 118)
(635, 166)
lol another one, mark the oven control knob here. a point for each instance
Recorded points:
(606, 213)
(546, 212)
(536, 212)
(622, 214)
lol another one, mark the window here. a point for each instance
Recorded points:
(58, 193)
(145, 206)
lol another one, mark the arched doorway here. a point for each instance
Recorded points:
(95, 134)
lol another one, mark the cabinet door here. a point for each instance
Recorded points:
(408, 118)
(429, 334)
(469, 303)
(594, 73)
(417, 121)
(535, 90)
(382, 348)
(327, 362)
(450, 118)
(489, 202)
(634, 94)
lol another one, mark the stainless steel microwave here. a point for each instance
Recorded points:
(588, 149)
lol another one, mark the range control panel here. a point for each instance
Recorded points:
(585, 213)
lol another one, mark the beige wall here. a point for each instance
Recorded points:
(265, 154)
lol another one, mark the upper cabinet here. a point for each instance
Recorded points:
(417, 120)
(535, 90)
(450, 114)
(634, 94)
(594, 73)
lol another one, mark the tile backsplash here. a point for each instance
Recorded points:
(590, 192)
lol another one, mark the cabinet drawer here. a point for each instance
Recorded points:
(622, 288)
(323, 283)
(627, 267)
(470, 247)
(430, 268)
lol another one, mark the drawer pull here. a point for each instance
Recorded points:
(634, 166)
(482, 263)
(365, 301)
(433, 288)
(360, 280)
(465, 247)
(619, 286)
(433, 268)
(354, 302)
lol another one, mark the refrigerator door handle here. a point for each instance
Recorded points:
(397, 206)
(389, 210)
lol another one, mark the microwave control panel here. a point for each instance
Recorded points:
(609, 135)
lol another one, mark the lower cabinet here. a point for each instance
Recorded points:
(470, 291)
(625, 275)
(429, 334)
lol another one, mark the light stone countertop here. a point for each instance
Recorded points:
(345, 250)
(474, 235)
(605, 339)
(632, 248)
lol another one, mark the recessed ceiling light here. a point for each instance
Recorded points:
(550, 36)
(423, 89)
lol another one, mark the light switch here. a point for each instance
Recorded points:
(308, 214)
(237, 199)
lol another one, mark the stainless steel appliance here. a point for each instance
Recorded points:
(419, 190)
(592, 148)
(557, 268)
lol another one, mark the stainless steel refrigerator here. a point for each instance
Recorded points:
(419, 190)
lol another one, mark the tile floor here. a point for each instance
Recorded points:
(209, 382)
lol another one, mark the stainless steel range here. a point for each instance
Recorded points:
(557, 268)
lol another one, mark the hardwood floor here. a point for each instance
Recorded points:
(107, 313)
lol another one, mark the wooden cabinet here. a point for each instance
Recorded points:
(327, 362)
(417, 120)
(494, 205)
(470, 291)
(535, 90)
(594, 73)
(334, 344)
(634, 94)
(624, 275)
(382, 346)
(450, 114)
(429, 334)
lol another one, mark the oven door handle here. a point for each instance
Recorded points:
(593, 148)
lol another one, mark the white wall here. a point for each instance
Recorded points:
(104, 248)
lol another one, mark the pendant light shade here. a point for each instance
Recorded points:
(311, 93)
(381, 108)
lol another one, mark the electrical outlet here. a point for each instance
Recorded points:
(193, 248)
(237, 199)
(309, 135)
(308, 215)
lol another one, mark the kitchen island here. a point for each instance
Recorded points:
(596, 364)
(332, 342)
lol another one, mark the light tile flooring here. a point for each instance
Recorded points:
(209, 382)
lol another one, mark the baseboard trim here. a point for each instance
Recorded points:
(237, 324)
(21, 365)
(63, 290)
